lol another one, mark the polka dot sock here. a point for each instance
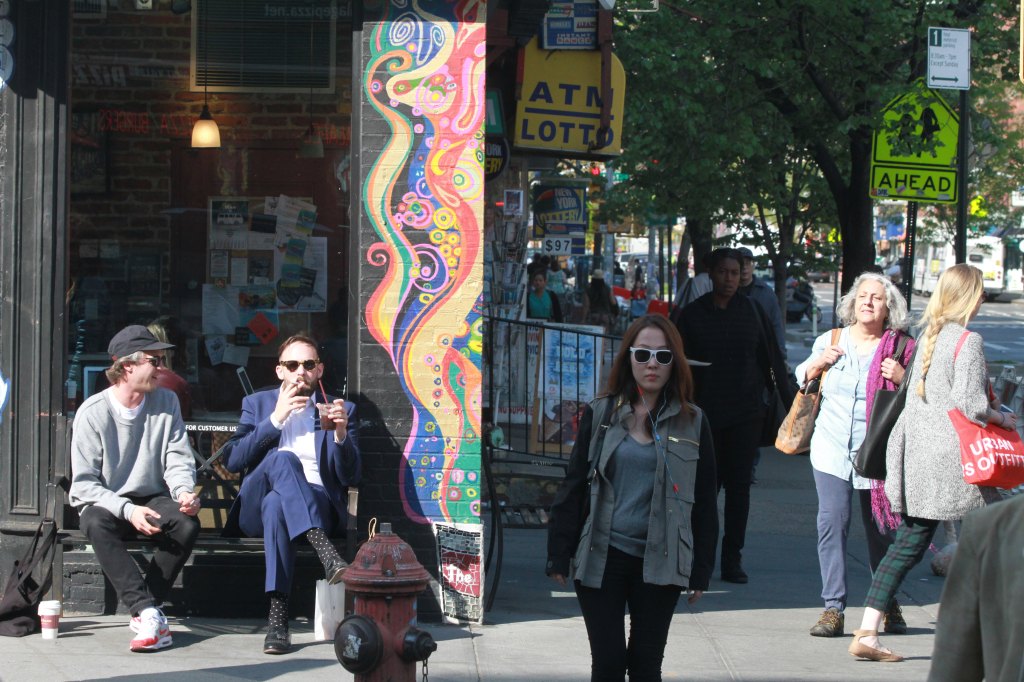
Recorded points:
(278, 610)
(324, 549)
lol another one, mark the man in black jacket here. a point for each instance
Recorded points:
(725, 330)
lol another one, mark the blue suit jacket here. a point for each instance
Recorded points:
(255, 438)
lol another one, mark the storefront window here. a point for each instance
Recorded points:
(230, 249)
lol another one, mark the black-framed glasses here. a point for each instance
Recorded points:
(292, 365)
(156, 361)
(643, 355)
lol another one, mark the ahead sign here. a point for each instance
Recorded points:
(914, 156)
(949, 58)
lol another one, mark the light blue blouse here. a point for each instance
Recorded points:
(842, 418)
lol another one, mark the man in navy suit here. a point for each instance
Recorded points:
(297, 464)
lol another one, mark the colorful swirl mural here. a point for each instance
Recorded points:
(423, 196)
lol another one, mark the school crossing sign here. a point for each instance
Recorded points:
(913, 156)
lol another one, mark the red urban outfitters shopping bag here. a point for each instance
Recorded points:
(990, 455)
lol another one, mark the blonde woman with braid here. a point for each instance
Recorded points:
(924, 481)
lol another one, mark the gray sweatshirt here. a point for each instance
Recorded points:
(113, 458)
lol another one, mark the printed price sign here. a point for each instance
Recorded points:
(557, 246)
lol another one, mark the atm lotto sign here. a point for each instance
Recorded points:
(560, 110)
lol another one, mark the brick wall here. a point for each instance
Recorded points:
(419, 340)
(130, 71)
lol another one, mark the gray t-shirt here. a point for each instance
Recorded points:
(633, 483)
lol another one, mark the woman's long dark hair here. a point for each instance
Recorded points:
(622, 385)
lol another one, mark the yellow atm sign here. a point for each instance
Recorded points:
(913, 156)
(560, 106)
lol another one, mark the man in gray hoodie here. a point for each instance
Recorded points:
(133, 471)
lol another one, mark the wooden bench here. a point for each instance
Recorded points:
(211, 549)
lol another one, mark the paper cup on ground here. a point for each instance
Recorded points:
(49, 615)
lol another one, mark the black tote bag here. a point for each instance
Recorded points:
(30, 579)
(869, 461)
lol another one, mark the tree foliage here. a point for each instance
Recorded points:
(744, 104)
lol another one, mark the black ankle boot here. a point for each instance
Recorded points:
(278, 640)
(334, 565)
(732, 572)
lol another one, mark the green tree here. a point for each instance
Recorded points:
(741, 72)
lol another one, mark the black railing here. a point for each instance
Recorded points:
(538, 380)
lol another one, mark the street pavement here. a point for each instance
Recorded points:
(754, 632)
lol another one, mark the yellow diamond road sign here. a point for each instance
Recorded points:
(913, 156)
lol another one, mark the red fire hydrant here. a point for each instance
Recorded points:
(380, 641)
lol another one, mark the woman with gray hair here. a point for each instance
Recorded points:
(868, 353)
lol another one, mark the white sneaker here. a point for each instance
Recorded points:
(151, 632)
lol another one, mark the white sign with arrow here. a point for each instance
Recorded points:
(949, 58)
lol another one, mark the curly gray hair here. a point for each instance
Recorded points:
(898, 317)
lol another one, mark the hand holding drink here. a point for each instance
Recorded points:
(335, 413)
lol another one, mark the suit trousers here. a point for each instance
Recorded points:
(108, 533)
(289, 507)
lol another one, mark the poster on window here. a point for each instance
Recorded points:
(460, 550)
(300, 275)
(569, 377)
(229, 223)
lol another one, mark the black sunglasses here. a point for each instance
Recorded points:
(643, 355)
(155, 361)
(292, 365)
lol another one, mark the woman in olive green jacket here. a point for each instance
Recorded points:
(637, 514)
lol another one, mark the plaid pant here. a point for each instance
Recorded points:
(912, 539)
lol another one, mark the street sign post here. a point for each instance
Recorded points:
(928, 174)
(949, 58)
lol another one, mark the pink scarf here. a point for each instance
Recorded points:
(884, 517)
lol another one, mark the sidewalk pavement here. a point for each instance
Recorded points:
(753, 632)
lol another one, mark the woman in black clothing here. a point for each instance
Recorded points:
(651, 525)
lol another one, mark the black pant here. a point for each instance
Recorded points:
(107, 533)
(650, 614)
(878, 542)
(735, 450)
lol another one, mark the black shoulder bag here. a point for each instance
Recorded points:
(30, 579)
(594, 455)
(869, 461)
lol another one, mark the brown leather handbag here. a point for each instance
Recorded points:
(795, 432)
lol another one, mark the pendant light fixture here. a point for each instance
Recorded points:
(205, 133)
(312, 146)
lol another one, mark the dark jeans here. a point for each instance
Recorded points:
(650, 614)
(878, 542)
(107, 533)
(735, 450)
